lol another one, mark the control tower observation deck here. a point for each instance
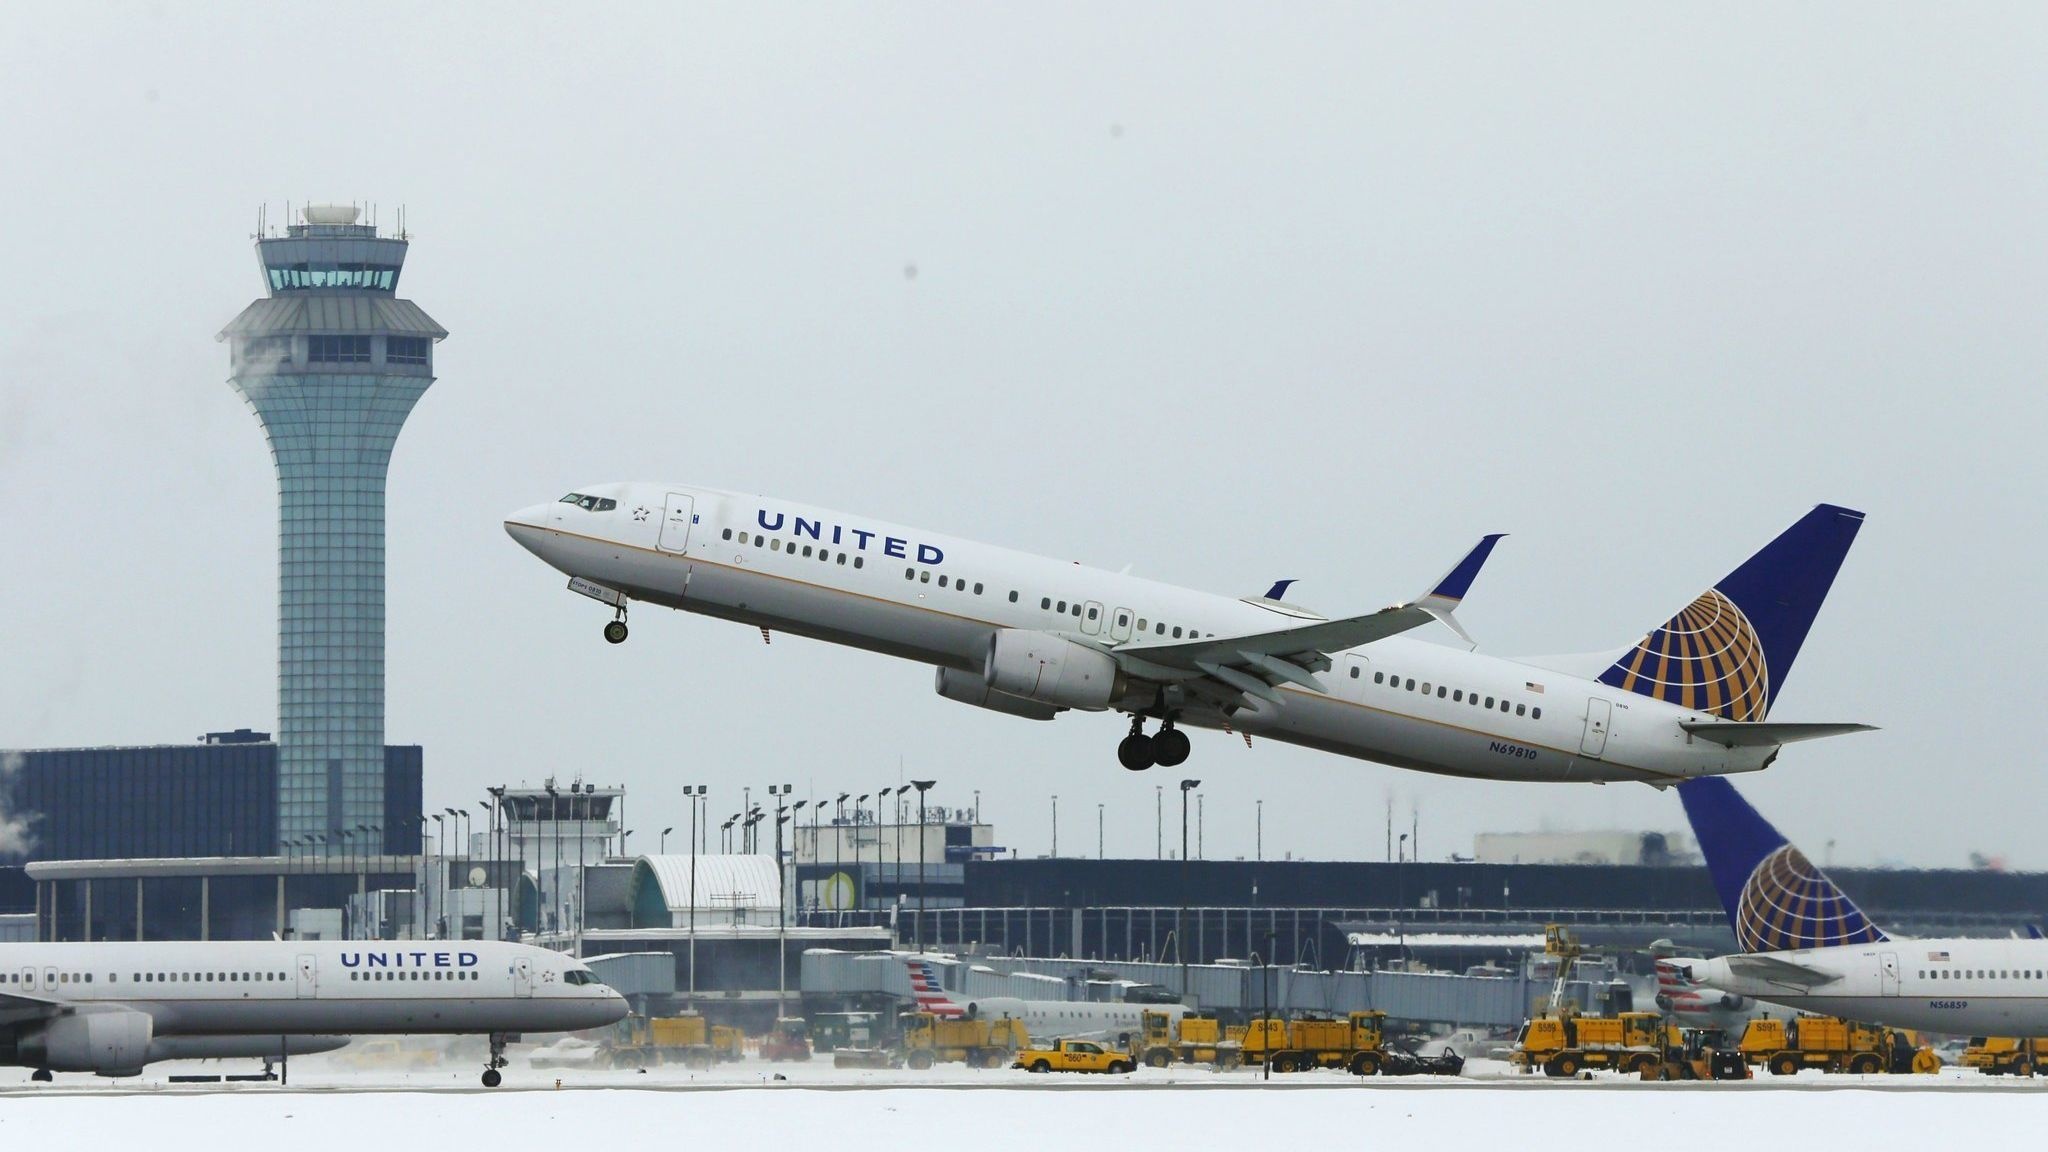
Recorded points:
(331, 361)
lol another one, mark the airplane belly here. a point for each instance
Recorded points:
(1326, 724)
(928, 635)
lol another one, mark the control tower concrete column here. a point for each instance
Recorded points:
(331, 361)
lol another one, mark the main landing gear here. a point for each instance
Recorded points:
(491, 1077)
(1168, 749)
(615, 632)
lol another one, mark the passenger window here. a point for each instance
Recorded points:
(1176, 631)
(858, 561)
(1520, 709)
(1141, 623)
(728, 533)
(1045, 602)
(942, 580)
(924, 577)
(1411, 685)
(775, 545)
(977, 587)
(1489, 701)
(1535, 713)
(1013, 595)
(807, 551)
(1354, 671)
(1425, 687)
(1159, 628)
(1077, 611)
(1440, 691)
(910, 573)
(1379, 677)
(1092, 612)
(1063, 608)
(1503, 705)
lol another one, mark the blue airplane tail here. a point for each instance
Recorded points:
(1777, 901)
(1727, 653)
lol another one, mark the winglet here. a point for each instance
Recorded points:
(1450, 591)
(1278, 590)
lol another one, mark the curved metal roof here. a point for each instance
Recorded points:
(333, 312)
(724, 883)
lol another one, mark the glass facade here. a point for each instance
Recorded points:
(331, 434)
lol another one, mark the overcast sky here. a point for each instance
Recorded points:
(1224, 293)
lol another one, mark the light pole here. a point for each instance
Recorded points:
(1201, 823)
(861, 888)
(922, 787)
(1259, 831)
(1098, 831)
(696, 796)
(1401, 896)
(1055, 825)
(1159, 821)
(1180, 920)
(554, 825)
(838, 845)
(881, 795)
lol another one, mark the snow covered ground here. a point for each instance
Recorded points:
(743, 1107)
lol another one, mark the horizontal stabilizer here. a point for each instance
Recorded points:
(1775, 971)
(1765, 734)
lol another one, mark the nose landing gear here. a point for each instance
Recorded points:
(491, 1076)
(615, 632)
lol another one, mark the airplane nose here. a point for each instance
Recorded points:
(527, 525)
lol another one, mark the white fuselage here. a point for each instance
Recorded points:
(1069, 1019)
(939, 600)
(355, 987)
(1960, 987)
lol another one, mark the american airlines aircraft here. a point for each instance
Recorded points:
(1806, 945)
(1043, 1019)
(1033, 637)
(111, 1008)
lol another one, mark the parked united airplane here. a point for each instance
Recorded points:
(1043, 1019)
(111, 1008)
(1033, 637)
(1806, 944)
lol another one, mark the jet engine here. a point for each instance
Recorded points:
(111, 1042)
(1042, 667)
(968, 688)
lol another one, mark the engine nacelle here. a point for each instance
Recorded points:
(1042, 667)
(111, 1042)
(968, 688)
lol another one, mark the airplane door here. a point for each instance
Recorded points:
(522, 978)
(1091, 617)
(1888, 968)
(1120, 625)
(309, 977)
(1599, 713)
(675, 522)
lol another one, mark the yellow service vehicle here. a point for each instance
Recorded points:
(1562, 1045)
(1352, 1043)
(1698, 1054)
(2005, 1055)
(641, 1041)
(1832, 1045)
(1161, 1041)
(1074, 1056)
(929, 1040)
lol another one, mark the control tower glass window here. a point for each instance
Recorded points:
(298, 277)
(338, 349)
(405, 349)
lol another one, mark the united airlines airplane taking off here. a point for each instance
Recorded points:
(1033, 637)
(111, 1008)
(1806, 945)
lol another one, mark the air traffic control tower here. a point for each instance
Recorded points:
(332, 361)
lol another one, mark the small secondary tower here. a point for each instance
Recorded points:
(331, 361)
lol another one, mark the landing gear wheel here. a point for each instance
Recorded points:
(41, 1076)
(1170, 748)
(615, 632)
(491, 1077)
(1135, 752)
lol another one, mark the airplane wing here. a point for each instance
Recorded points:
(1774, 971)
(16, 1008)
(1737, 734)
(1254, 664)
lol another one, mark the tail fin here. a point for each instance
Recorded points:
(928, 990)
(1776, 899)
(1727, 652)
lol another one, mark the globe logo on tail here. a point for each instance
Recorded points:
(1708, 658)
(1788, 904)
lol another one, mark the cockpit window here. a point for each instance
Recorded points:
(573, 498)
(589, 503)
(578, 976)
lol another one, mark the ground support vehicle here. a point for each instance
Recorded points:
(1698, 1054)
(1565, 1045)
(1832, 1045)
(1162, 1041)
(929, 1040)
(789, 1040)
(1074, 1056)
(2005, 1055)
(1354, 1043)
(1398, 1062)
(641, 1042)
